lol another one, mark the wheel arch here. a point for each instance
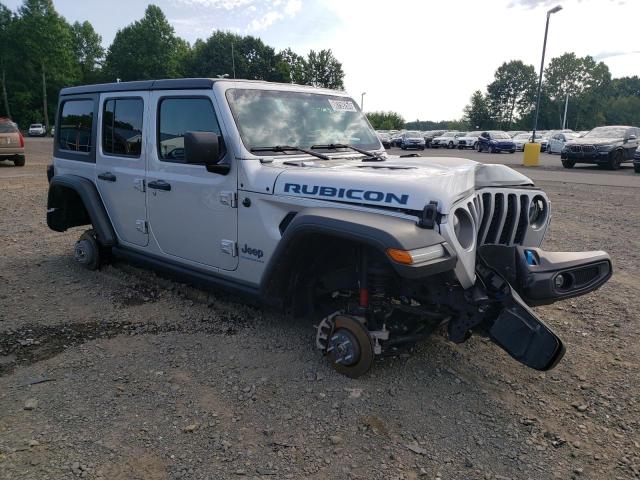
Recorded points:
(74, 201)
(318, 233)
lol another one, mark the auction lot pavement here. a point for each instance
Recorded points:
(119, 374)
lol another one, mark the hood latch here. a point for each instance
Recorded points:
(429, 215)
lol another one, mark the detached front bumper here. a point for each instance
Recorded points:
(517, 277)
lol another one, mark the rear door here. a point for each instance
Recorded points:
(121, 163)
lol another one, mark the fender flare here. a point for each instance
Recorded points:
(88, 193)
(369, 228)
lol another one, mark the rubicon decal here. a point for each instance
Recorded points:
(347, 193)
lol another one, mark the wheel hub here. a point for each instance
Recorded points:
(344, 346)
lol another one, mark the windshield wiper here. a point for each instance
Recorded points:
(289, 148)
(373, 157)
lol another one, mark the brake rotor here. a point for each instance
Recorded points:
(350, 347)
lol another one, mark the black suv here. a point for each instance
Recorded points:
(608, 147)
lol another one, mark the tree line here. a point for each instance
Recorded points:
(40, 53)
(508, 103)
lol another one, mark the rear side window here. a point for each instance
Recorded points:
(6, 127)
(76, 121)
(178, 116)
(122, 127)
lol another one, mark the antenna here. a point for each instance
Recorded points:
(233, 61)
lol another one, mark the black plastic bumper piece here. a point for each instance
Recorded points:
(525, 337)
(545, 277)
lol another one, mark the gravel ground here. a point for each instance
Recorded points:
(119, 374)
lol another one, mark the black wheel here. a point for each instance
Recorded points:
(568, 163)
(479, 147)
(421, 148)
(450, 146)
(350, 348)
(616, 160)
(512, 151)
(19, 161)
(403, 148)
(636, 167)
(87, 251)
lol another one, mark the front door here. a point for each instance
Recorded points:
(192, 212)
(121, 162)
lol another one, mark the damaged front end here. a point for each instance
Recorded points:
(510, 273)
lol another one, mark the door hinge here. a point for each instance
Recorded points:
(229, 198)
(229, 247)
(139, 184)
(141, 226)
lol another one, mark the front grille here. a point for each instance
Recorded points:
(588, 148)
(576, 148)
(502, 217)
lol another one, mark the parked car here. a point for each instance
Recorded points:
(557, 141)
(385, 139)
(521, 139)
(37, 130)
(430, 135)
(514, 133)
(636, 160)
(607, 147)
(380, 253)
(11, 142)
(412, 140)
(447, 140)
(396, 139)
(468, 140)
(495, 142)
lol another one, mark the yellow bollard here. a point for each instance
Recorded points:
(531, 155)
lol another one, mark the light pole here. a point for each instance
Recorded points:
(362, 100)
(555, 9)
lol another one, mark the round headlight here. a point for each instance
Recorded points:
(463, 228)
(538, 211)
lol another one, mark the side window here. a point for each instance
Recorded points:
(177, 116)
(76, 121)
(122, 127)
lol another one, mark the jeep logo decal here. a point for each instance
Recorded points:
(348, 193)
(254, 252)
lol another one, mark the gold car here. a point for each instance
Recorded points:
(11, 142)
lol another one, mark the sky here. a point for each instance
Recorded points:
(421, 58)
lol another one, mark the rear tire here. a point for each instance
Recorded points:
(87, 251)
(450, 146)
(568, 163)
(19, 161)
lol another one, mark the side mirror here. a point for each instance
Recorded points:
(205, 148)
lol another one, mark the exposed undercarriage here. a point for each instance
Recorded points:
(368, 311)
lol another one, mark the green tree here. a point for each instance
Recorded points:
(147, 49)
(511, 92)
(42, 56)
(6, 18)
(224, 53)
(385, 120)
(585, 81)
(324, 70)
(87, 46)
(477, 114)
(625, 86)
(623, 111)
(292, 67)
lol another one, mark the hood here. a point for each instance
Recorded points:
(402, 183)
(594, 141)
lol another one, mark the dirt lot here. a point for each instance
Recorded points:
(118, 374)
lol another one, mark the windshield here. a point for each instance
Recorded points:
(413, 134)
(6, 127)
(522, 136)
(450, 134)
(267, 118)
(36, 125)
(607, 132)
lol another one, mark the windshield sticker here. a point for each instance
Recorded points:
(342, 105)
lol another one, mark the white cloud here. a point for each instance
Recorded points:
(224, 4)
(265, 21)
(293, 7)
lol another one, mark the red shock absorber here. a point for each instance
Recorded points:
(364, 288)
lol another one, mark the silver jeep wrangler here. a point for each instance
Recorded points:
(285, 194)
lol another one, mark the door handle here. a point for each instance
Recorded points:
(107, 177)
(159, 185)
